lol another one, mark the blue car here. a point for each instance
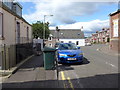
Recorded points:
(69, 53)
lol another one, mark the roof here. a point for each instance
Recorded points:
(17, 3)
(13, 13)
(68, 34)
(111, 14)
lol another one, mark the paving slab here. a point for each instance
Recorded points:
(32, 75)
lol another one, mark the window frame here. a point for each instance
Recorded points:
(62, 41)
(70, 42)
(50, 38)
(77, 42)
(18, 41)
(2, 32)
(50, 44)
(27, 33)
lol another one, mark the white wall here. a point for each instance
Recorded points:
(81, 42)
(9, 26)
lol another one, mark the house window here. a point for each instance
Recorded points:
(1, 25)
(50, 38)
(8, 3)
(62, 41)
(18, 32)
(50, 45)
(17, 8)
(115, 28)
(77, 42)
(70, 41)
(27, 33)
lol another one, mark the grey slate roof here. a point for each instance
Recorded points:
(68, 34)
(118, 11)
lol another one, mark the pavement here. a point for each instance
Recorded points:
(32, 74)
(104, 48)
(4, 74)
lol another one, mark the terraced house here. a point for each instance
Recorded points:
(15, 34)
(102, 36)
(115, 30)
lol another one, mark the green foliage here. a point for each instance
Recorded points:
(38, 28)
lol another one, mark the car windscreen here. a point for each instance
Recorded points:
(67, 46)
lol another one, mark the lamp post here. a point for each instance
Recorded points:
(44, 29)
(57, 32)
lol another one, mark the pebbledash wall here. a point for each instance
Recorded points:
(9, 28)
(115, 30)
(15, 37)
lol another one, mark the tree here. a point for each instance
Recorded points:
(38, 28)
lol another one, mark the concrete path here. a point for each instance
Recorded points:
(32, 75)
(104, 48)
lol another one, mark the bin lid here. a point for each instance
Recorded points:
(49, 49)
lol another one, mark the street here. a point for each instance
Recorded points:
(99, 70)
(63, 44)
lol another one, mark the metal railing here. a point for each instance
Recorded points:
(23, 51)
(22, 40)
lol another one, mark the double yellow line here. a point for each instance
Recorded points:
(68, 78)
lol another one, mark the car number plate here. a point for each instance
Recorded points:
(71, 59)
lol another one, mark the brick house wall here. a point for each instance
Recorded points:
(100, 36)
(114, 40)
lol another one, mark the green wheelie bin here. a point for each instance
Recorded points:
(49, 58)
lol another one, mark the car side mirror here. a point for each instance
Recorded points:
(78, 47)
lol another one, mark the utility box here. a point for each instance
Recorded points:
(49, 57)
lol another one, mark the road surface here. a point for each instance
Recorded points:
(99, 70)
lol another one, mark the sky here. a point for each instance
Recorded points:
(92, 15)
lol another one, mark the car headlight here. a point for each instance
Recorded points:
(80, 53)
(62, 55)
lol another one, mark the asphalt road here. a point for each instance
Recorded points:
(99, 70)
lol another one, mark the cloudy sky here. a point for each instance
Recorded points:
(70, 14)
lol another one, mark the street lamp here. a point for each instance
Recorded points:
(44, 28)
(57, 32)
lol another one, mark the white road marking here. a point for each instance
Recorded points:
(111, 64)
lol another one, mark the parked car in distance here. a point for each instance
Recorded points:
(88, 44)
(69, 53)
